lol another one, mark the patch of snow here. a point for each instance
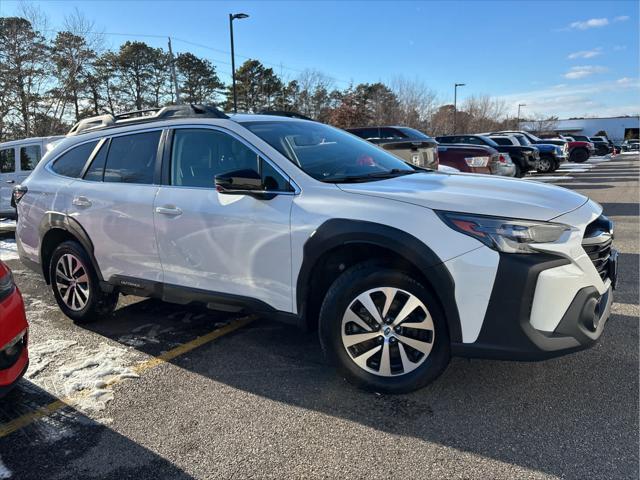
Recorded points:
(447, 169)
(4, 471)
(92, 373)
(8, 225)
(42, 354)
(8, 250)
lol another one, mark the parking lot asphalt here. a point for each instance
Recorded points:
(168, 391)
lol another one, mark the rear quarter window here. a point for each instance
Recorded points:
(29, 157)
(7, 160)
(71, 163)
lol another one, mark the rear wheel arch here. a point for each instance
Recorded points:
(56, 228)
(342, 243)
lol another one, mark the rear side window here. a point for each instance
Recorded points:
(29, 157)
(70, 164)
(7, 160)
(132, 158)
(95, 172)
(501, 141)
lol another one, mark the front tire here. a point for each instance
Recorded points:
(519, 173)
(75, 285)
(545, 165)
(384, 330)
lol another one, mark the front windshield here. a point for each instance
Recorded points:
(328, 154)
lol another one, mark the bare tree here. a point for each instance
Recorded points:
(418, 102)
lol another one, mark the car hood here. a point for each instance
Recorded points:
(472, 193)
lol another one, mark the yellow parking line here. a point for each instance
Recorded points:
(28, 418)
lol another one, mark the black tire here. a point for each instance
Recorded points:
(98, 303)
(555, 165)
(519, 173)
(357, 280)
(579, 156)
(545, 165)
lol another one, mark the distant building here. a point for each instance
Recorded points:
(616, 128)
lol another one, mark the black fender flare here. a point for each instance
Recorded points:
(60, 221)
(338, 232)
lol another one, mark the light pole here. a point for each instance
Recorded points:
(455, 102)
(520, 105)
(232, 17)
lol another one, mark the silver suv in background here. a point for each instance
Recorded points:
(17, 160)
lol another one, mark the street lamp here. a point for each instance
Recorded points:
(520, 105)
(455, 102)
(232, 17)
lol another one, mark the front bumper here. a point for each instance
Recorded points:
(509, 330)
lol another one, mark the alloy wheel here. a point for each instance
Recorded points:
(387, 331)
(72, 282)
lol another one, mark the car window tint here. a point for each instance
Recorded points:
(71, 163)
(132, 158)
(272, 179)
(197, 156)
(501, 141)
(95, 172)
(7, 160)
(391, 134)
(29, 157)
(473, 140)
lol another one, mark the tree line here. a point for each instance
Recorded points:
(49, 83)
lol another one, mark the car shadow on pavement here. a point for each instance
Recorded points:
(565, 416)
(621, 209)
(69, 444)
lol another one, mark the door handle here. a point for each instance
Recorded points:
(169, 210)
(81, 202)
(10, 181)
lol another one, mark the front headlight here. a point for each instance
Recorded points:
(504, 234)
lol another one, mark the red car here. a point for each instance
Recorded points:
(14, 357)
(475, 159)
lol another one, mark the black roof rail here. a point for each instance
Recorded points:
(285, 113)
(145, 116)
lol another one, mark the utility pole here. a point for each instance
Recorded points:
(520, 105)
(232, 17)
(455, 103)
(173, 73)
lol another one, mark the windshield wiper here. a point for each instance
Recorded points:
(395, 172)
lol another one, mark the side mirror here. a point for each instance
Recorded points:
(242, 182)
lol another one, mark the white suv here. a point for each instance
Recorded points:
(398, 267)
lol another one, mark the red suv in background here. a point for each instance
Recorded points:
(476, 159)
(14, 357)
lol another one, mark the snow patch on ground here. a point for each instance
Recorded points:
(42, 354)
(547, 178)
(4, 471)
(7, 225)
(91, 373)
(8, 249)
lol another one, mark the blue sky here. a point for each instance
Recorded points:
(558, 57)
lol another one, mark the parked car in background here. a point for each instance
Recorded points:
(551, 154)
(409, 144)
(17, 160)
(576, 151)
(630, 144)
(524, 158)
(14, 357)
(603, 146)
(476, 159)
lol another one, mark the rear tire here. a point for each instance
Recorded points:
(384, 359)
(76, 287)
(519, 173)
(579, 156)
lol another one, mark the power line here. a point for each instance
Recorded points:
(200, 45)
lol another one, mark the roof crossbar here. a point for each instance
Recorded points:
(147, 115)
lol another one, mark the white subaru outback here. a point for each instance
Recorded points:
(398, 267)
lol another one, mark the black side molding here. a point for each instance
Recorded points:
(338, 232)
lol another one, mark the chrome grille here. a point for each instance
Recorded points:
(597, 241)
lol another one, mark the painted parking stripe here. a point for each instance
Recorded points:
(548, 179)
(47, 410)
